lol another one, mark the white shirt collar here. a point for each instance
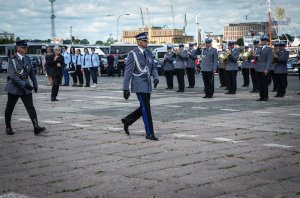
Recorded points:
(141, 49)
(20, 56)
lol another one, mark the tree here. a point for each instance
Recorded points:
(18, 38)
(67, 41)
(286, 36)
(99, 43)
(240, 42)
(84, 41)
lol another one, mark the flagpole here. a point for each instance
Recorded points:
(270, 22)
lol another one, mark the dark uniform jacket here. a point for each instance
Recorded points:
(140, 82)
(281, 66)
(56, 71)
(18, 77)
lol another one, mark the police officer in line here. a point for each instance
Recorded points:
(77, 75)
(18, 86)
(209, 67)
(181, 58)
(262, 69)
(252, 66)
(86, 67)
(272, 68)
(168, 63)
(139, 69)
(57, 65)
(245, 66)
(65, 70)
(190, 65)
(280, 70)
(232, 67)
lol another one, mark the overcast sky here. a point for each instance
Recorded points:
(31, 18)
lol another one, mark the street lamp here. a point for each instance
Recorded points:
(117, 18)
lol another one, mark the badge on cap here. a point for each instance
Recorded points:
(142, 36)
(22, 43)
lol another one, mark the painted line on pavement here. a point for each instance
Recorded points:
(25, 119)
(227, 140)
(114, 129)
(185, 135)
(262, 112)
(1, 117)
(79, 100)
(174, 106)
(203, 108)
(40, 97)
(52, 122)
(278, 146)
(294, 114)
(81, 125)
(13, 195)
(231, 110)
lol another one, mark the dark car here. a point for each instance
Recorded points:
(3, 63)
(293, 66)
(159, 67)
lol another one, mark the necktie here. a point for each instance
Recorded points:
(144, 52)
(84, 60)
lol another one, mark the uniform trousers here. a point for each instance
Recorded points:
(94, 71)
(208, 79)
(281, 81)
(253, 79)
(87, 75)
(191, 76)
(66, 76)
(56, 80)
(222, 76)
(262, 84)
(28, 103)
(231, 78)
(180, 79)
(169, 78)
(245, 72)
(143, 110)
(271, 77)
(78, 75)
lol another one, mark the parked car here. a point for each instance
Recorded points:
(293, 66)
(3, 63)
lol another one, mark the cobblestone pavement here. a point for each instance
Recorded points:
(227, 146)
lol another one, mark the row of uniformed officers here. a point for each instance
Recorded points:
(261, 63)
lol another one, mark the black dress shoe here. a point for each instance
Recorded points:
(209, 96)
(253, 91)
(265, 99)
(151, 137)
(38, 130)
(261, 99)
(277, 95)
(228, 92)
(226, 88)
(281, 95)
(9, 131)
(205, 96)
(126, 126)
(179, 91)
(53, 99)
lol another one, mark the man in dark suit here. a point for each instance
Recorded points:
(18, 86)
(139, 69)
(57, 63)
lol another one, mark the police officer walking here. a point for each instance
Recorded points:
(181, 58)
(208, 67)
(232, 67)
(190, 65)
(18, 86)
(139, 69)
(263, 65)
(252, 66)
(168, 62)
(280, 70)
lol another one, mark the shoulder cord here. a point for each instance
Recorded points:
(19, 73)
(138, 66)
